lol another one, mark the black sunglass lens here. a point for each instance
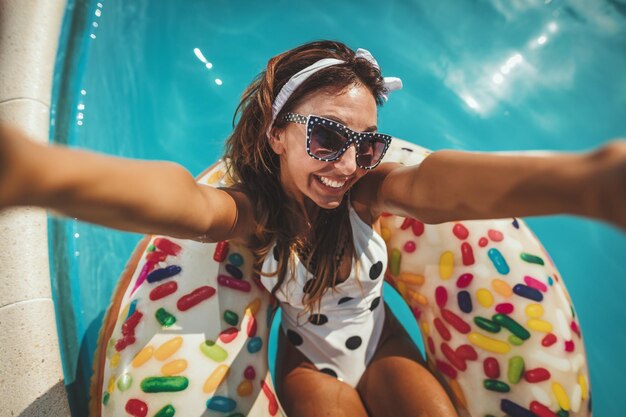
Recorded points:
(326, 142)
(370, 152)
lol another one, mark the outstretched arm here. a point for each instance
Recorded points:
(139, 196)
(454, 185)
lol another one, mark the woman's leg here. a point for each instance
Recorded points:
(304, 391)
(397, 380)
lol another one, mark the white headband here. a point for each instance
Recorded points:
(390, 83)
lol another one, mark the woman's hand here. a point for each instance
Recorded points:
(607, 183)
(12, 142)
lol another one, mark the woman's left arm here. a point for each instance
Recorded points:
(454, 185)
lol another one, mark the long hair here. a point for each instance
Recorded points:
(254, 164)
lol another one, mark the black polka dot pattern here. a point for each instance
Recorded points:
(376, 270)
(375, 303)
(329, 371)
(318, 319)
(344, 300)
(354, 342)
(308, 286)
(294, 338)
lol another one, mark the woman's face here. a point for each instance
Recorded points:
(324, 183)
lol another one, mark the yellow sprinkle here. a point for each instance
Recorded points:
(253, 307)
(124, 313)
(401, 287)
(215, 176)
(502, 288)
(410, 278)
(111, 385)
(420, 298)
(539, 325)
(174, 367)
(142, 357)
(115, 360)
(561, 396)
(458, 393)
(582, 381)
(168, 348)
(485, 298)
(385, 233)
(446, 265)
(245, 388)
(216, 378)
(426, 328)
(534, 311)
(487, 343)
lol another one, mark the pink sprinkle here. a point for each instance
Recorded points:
(147, 268)
(406, 223)
(538, 285)
(249, 373)
(464, 280)
(495, 235)
(417, 227)
(409, 247)
(569, 345)
(482, 242)
(504, 308)
(417, 313)
(575, 328)
(467, 254)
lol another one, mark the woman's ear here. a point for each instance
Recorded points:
(277, 139)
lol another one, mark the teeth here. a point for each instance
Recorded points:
(331, 183)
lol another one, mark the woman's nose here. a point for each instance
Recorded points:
(346, 165)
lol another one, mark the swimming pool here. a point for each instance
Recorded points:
(161, 80)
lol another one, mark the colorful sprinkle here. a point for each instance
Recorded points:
(394, 262)
(167, 246)
(231, 317)
(464, 301)
(491, 367)
(488, 343)
(167, 411)
(516, 369)
(464, 280)
(168, 348)
(164, 384)
(213, 351)
(467, 254)
(486, 324)
(236, 259)
(195, 297)
(511, 325)
(234, 271)
(221, 251)
(174, 367)
(215, 379)
(495, 385)
(163, 290)
(165, 318)
(527, 292)
(485, 298)
(220, 403)
(163, 273)
(233, 283)
(460, 231)
(136, 408)
(446, 265)
(409, 247)
(255, 344)
(531, 259)
(498, 261)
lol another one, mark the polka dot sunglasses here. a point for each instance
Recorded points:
(327, 140)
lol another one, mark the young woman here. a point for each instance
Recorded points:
(311, 189)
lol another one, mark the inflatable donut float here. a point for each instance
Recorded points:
(186, 333)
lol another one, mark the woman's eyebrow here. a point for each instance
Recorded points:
(337, 119)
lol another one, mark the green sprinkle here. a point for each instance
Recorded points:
(516, 369)
(167, 411)
(166, 319)
(213, 351)
(562, 413)
(124, 382)
(164, 384)
(487, 324)
(396, 257)
(511, 325)
(514, 340)
(151, 248)
(531, 259)
(105, 398)
(231, 317)
(495, 385)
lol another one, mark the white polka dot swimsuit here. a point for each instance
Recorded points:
(342, 338)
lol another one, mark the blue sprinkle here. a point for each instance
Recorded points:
(235, 259)
(234, 271)
(132, 308)
(498, 261)
(527, 292)
(550, 282)
(160, 274)
(219, 403)
(465, 301)
(515, 223)
(255, 344)
(515, 410)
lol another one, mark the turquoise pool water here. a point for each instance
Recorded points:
(479, 75)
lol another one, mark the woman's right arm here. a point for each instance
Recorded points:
(140, 196)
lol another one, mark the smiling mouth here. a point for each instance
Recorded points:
(331, 183)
